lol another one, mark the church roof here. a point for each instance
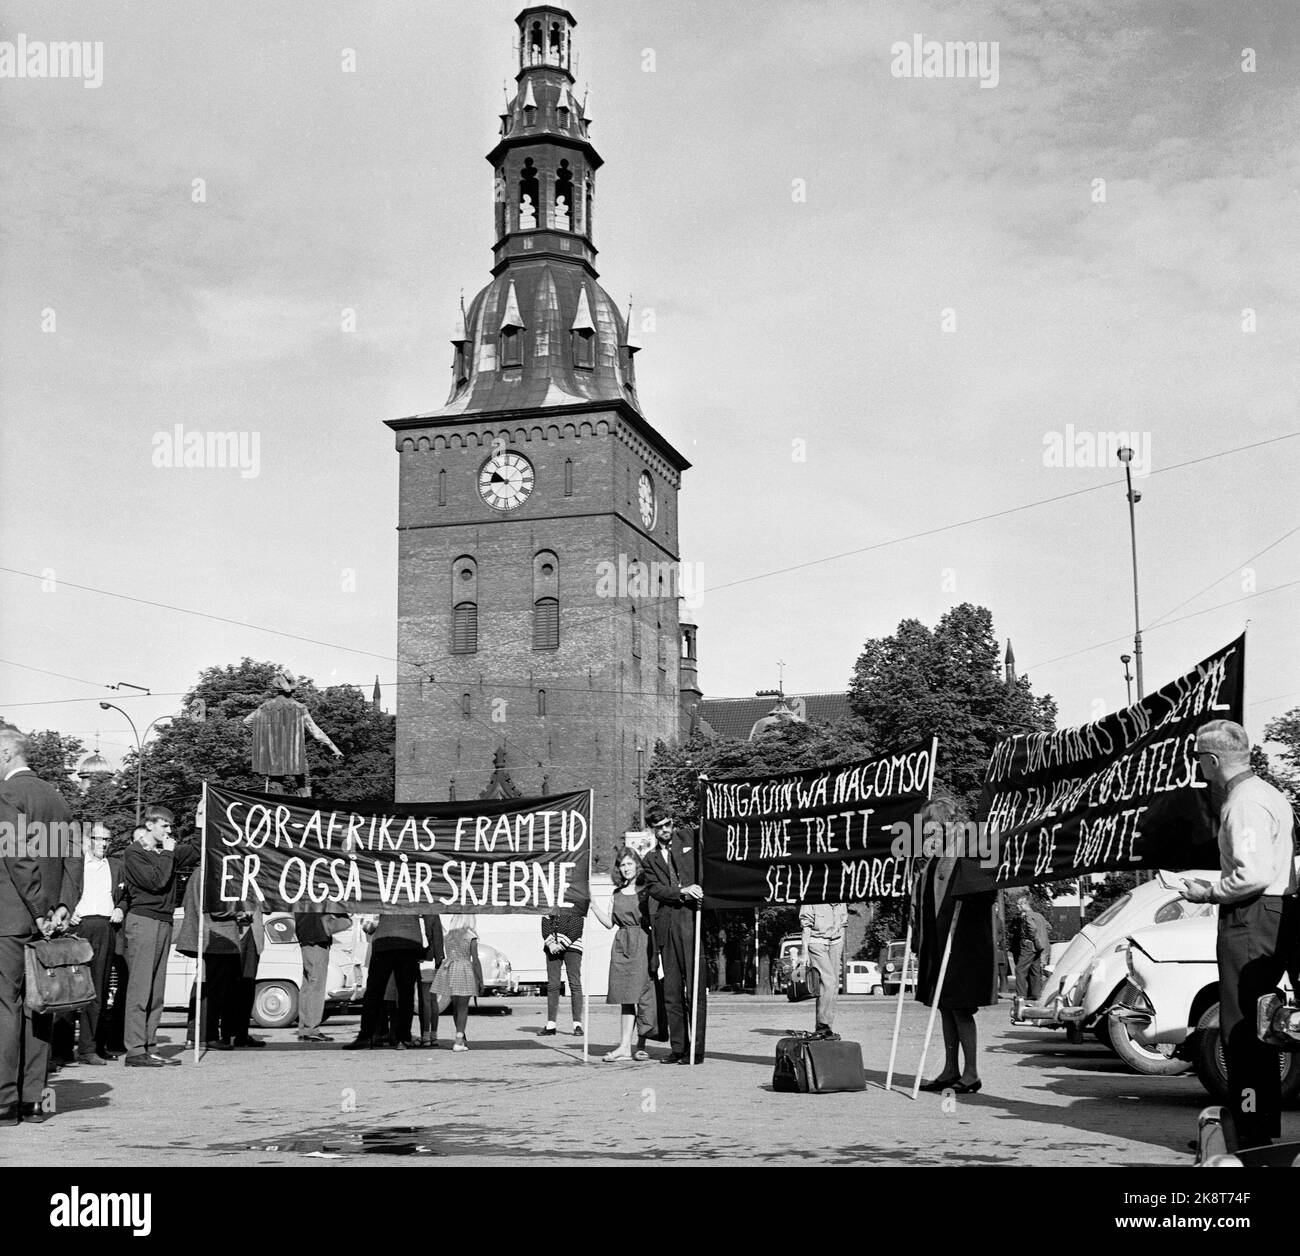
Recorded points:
(736, 717)
(549, 299)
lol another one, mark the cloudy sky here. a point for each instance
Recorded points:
(871, 307)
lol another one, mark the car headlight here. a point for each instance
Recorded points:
(889, 968)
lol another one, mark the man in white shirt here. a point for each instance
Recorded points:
(823, 946)
(96, 917)
(1257, 922)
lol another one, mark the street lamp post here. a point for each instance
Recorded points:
(1126, 659)
(139, 748)
(1125, 455)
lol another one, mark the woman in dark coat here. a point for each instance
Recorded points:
(971, 980)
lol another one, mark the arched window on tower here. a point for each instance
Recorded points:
(555, 47)
(442, 486)
(586, 217)
(529, 196)
(564, 198)
(464, 608)
(659, 647)
(541, 702)
(636, 632)
(568, 477)
(535, 44)
(546, 601)
(465, 706)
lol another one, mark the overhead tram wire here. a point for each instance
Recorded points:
(717, 588)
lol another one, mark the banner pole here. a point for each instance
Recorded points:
(586, 983)
(938, 990)
(898, 1013)
(907, 944)
(203, 885)
(699, 920)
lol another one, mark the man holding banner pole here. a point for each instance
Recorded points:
(674, 917)
(1258, 927)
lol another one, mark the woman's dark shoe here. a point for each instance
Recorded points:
(358, 1044)
(941, 1084)
(968, 1088)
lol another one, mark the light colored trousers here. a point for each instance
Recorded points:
(826, 957)
(311, 998)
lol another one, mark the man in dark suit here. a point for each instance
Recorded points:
(39, 877)
(674, 917)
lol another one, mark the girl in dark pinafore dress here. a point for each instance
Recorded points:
(630, 983)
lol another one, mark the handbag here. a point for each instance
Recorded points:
(58, 975)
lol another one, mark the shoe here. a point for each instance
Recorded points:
(550, 1030)
(9, 1114)
(189, 1044)
(314, 1038)
(68, 1062)
(577, 1029)
(143, 1061)
(686, 1059)
(968, 1088)
(173, 1060)
(33, 1114)
(218, 1044)
(249, 1041)
(358, 1044)
(460, 1044)
(401, 1045)
(433, 1044)
(110, 1055)
(940, 1084)
(674, 1058)
(90, 1059)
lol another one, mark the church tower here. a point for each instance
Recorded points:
(538, 575)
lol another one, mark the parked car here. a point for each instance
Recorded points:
(1062, 1001)
(279, 976)
(863, 976)
(1171, 1003)
(894, 972)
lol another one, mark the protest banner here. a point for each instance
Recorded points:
(826, 835)
(1119, 794)
(487, 857)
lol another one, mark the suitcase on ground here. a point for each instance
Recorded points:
(817, 1066)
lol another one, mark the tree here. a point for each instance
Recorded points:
(53, 757)
(946, 682)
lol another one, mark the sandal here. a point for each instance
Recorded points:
(641, 1055)
(613, 1058)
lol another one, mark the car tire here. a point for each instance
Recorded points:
(1211, 1069)
(275, 1004)
(1148, 1061)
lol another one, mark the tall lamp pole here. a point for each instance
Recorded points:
(1125, 455)
(1126, 659)
(139, 747)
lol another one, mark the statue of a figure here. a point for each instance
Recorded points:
(279, 727)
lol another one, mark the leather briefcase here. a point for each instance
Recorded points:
(806, 987)
(817, 1066)
(58, 975)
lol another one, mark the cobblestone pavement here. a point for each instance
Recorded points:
(518, 1097)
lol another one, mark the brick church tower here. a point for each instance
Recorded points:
(538, 626)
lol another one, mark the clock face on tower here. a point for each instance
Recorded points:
(646, 499)
(505, 480)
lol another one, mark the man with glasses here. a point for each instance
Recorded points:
(1257, 921)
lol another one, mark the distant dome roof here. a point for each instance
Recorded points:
(552, 300)
(92, 765)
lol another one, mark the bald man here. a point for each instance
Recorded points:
(1257, 921)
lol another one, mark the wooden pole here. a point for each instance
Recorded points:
(907, 944)
(898, 1013)
(699, 922)
(198, 971)
(586, 987)
(934, 1006)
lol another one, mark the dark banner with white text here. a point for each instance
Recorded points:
(1120, 794)
(515, 855)
(827, 835)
